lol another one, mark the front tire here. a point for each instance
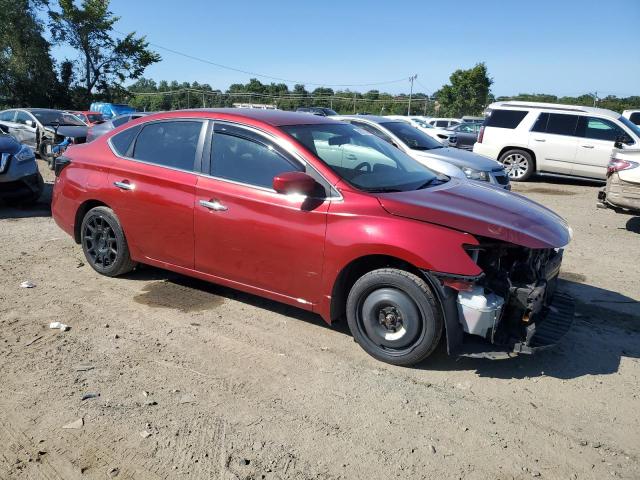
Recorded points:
(394, 316)
(104, 244)
(518, 164)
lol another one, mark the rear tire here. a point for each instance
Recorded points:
(518, 164)
(104, 244)
(394, 316)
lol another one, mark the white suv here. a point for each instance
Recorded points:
(531, 137)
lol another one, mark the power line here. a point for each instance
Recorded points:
(270, 77)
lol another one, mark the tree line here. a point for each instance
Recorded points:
(106, 61)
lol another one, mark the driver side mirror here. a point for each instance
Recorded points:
(30, 123)
(294, 182)
(622, 140)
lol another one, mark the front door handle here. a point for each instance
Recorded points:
(539, 139)
(124, 185)
(350, 156)
(214, 205)
(587, 146)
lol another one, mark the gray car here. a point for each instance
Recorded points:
(105, 127)
(420, 146)
(20, 180)
(43, 128)
(466, 134)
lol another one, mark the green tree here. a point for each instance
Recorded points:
(467, 94)
(107, 61)
(27, 71)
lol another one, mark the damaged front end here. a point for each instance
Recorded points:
(511, 307)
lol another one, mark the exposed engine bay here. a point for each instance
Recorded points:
(513, 299)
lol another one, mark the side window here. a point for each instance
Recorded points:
(562, 124)
(241, 156)
(541, 123)
(635, 118)
(505, 118)
(169, 144)
(122, 141)
(7, 116)
(442, 123)
(22, 118)
(600, 129)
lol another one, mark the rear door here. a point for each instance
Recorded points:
(247, 233)
(594, 148)
(554, 139)
(152, 182)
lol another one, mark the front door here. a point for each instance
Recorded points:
(25, 129)
(247, 233)
(594, 148)
(152, 184)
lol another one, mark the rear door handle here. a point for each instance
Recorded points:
(587, 146)
(124, 185)
(350, 156)
(214, 205)
(539, 139)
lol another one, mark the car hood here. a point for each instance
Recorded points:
(462, 158)
(70, 131)
(8, 144)
(482, 210)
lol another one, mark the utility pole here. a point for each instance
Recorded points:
(595, 98)
(354, 102)
(411, 79)
(426, 101)
(204, 105)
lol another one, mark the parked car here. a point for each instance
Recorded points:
(466, 135)
(100, 129)
(444, 122)
(443, 136)
(531, 137)
(90, 118)
(42, 129)
(323, 112)
(413, 142)
(472, 119)
(622, 192)
(111, 110)
(20, 180)
(633, 115)
(261, 201)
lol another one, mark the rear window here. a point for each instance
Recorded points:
(505, 118)
(169, 144)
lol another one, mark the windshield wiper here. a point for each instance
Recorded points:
(383, 190)
(434, 181)
(419, 147)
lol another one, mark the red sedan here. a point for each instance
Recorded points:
(90, 118)
(320, 214)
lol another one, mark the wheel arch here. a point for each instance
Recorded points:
(81, 212)
(354, 270)
(525, 149)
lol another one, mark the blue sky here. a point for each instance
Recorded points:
(561, 47)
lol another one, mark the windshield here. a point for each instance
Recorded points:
(95, 117)
(362, 159)
(630, 125)
(412, 137)
(52, 117)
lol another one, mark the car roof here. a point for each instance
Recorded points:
(520, 105)
(275, 118)
(371, 118)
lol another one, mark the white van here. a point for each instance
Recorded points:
(532, 137)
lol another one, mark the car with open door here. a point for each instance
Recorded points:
(264, 201)
(20, 179)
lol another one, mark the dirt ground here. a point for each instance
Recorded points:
(198, 381)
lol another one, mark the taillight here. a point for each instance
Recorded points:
(617, 165)
(481, 134)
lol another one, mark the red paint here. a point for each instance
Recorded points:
(287, 247)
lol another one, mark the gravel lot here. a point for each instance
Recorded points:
(199, 381)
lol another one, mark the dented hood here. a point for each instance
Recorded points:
(482, 210)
